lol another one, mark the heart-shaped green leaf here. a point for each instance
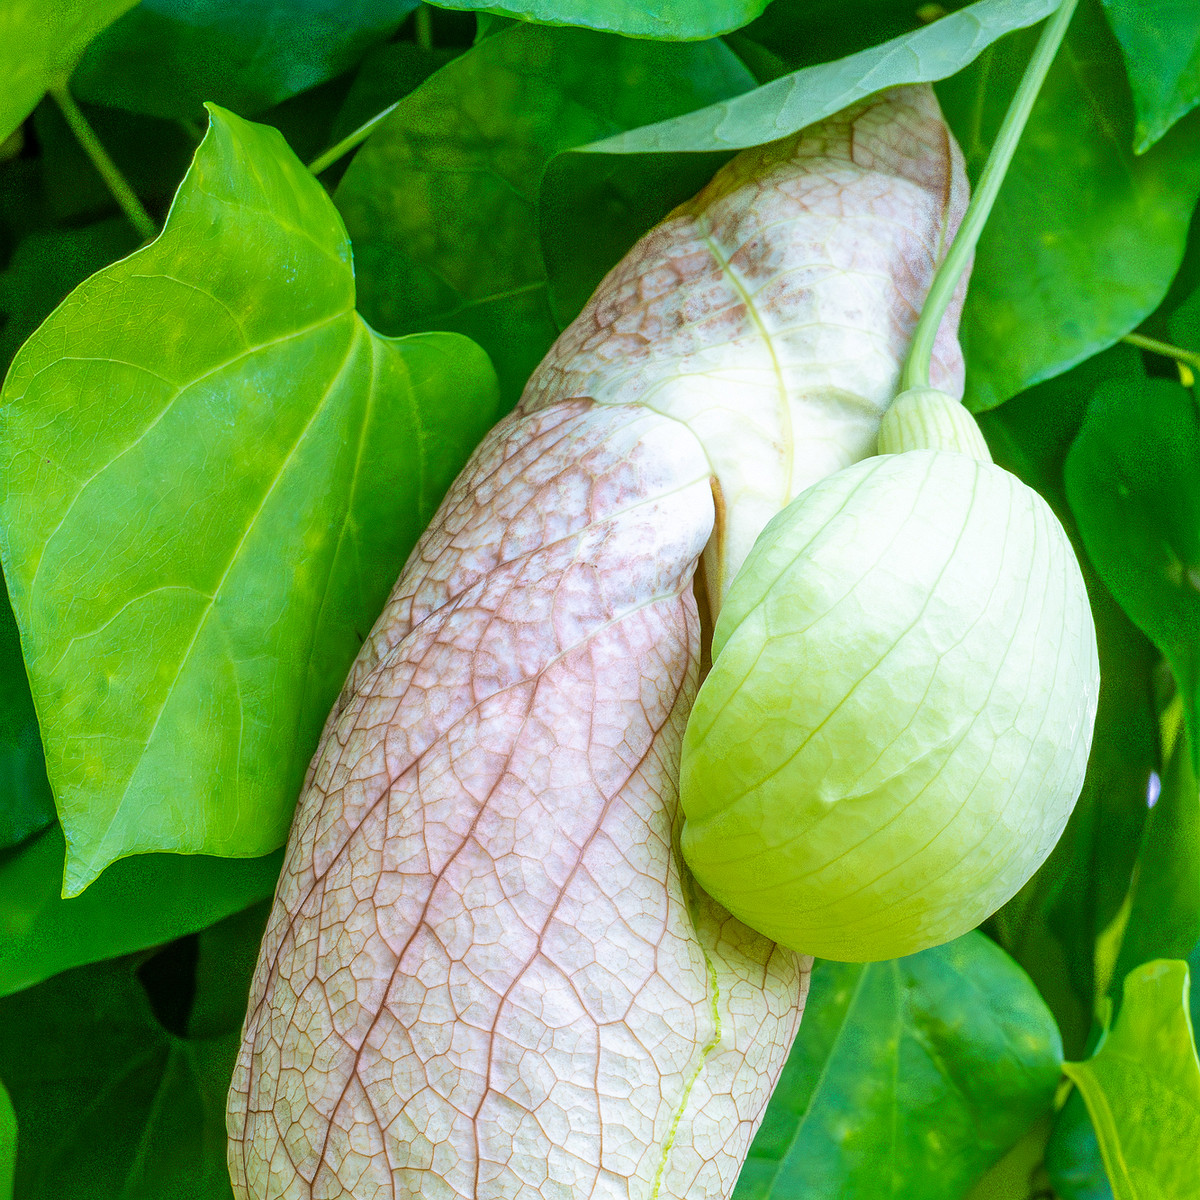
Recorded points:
(212, 471)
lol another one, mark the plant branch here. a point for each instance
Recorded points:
(1189, 358)
(916, 369)
(423, 27)
(329, 157)
(117, 184)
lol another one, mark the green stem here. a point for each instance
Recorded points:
(124, 195)
(423, 27)
(364, 131)
(916, 369)
(1187, 357)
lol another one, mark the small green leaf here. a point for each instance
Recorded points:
(803, 97)
(669, 20)
(138, 902)
(1134, 489)
(167, 57)
(110, 1102)
(442, 200)
(40, 42)
(908, 1078)
(1085, 238)
(8, 1144)
(1142, 1088)
(1161, 43)
(202, 514)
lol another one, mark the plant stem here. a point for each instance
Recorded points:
(1188, 358)
(364, 131)
(916, 368)
(117, 184)
(423, 27)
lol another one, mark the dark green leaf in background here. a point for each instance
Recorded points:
(46, 266)
(138, 902)
(1142, 1088)
(1164, 912)
(1161, 43)
(1085, 237)
(204, 509)
(26, 804)
(40, 42)
(1074, 1164)
(166, 58)
(442, 201)
(794, 101)
(675, 20)
(8, 1144)
(1134, 488)
(1052, 925)
(908, 1079)
(112, 1104)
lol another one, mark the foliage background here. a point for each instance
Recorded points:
(470, 215)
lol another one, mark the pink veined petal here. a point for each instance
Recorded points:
(486, 974)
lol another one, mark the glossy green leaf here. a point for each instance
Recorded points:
(111, 1103)
(138, 902)
(908, 1078)
(1142, 1088)
(166, 58)
(26, 804)
(202, 514)
(1085, 237)
(671, 20)
(1052, 925)
(40, 42)
(8, 1144)
(1161, 43)
(799, 99)
(442, 201)
(1135, 491)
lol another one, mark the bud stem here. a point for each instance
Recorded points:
(916, 369)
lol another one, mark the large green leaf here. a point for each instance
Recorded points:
(138, 902)
(671, 20)
(1161, 43)
(1135, 491)
(203, 513)
(908, 1078)
(167, 57)
(112, 1105)
(1142, 1088)
(803, 97)
(442, 201)
(40, 42)
(1085, 237)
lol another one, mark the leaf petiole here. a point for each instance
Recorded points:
(1187, 360)
(916, 368)
(325, 160)
(117, 184)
